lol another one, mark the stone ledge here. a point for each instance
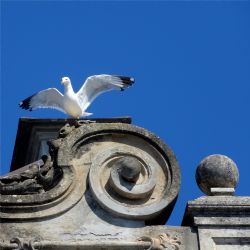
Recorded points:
(218, 210)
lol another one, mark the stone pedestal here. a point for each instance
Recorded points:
(221, 219)
(222, 222)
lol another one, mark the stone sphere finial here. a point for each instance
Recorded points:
(217, 175)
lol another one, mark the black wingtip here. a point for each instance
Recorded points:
(25, 104)
(127, 80)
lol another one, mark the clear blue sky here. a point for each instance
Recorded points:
(191, 62)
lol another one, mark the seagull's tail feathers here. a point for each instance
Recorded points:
(126, 81)
(25, 104)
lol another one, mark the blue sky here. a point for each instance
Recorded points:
(191, 63)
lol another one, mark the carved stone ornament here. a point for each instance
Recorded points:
(38, 177)
(21, 244)
(36, 191)
(127, 170)
(131, 172)
(163, 241)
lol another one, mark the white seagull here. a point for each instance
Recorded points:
(75, 104)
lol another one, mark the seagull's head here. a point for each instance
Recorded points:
(65, 80)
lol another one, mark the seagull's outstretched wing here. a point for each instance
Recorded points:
(98, 84)
(48, 98)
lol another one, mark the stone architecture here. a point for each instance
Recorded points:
(107, 184)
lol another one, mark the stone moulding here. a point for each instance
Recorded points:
(163, 241)
(214, 210)
(80, 245)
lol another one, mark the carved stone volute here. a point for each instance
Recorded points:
(128, 172)
(131, 172)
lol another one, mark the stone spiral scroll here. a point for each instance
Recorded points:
(132, 173)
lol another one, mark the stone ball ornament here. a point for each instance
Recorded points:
(216, 171)
(129, 171)
(130, 168)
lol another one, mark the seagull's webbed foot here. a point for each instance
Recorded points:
(79, 123)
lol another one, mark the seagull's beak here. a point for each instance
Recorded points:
(62, 81)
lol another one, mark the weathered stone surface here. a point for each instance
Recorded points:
(222, 191)
(216, 171)
(222, 221)
(129, 167)
(37, 177)
(98, 147)
(104, 237)
(218, 210)
(116, 179)
(234, 238)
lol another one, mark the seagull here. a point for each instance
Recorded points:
(75, 104)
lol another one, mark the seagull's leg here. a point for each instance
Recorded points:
(79, 123)
(88, 121)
